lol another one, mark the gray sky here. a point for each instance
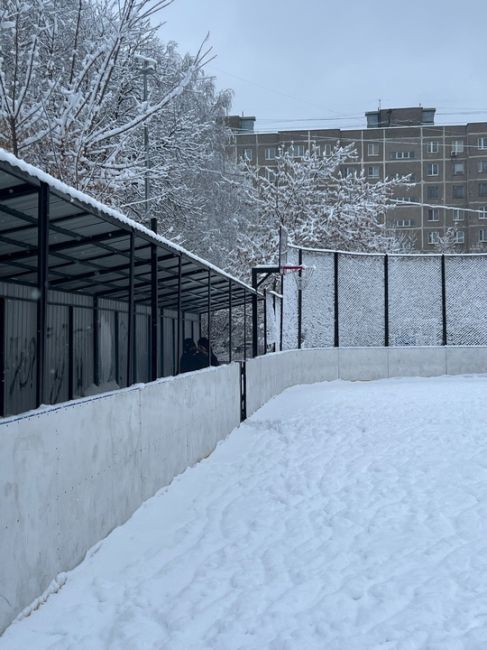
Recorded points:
(316, 63)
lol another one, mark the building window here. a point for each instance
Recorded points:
(483, 212)
(373, 171)
(248, 154)
(373, 148)
(270, 153)
(402, 155)
(433, 214)
(482, 189)
(407, 199)
(327, 149)
(458, 168)
(405, 223)
(349, 171)
(457, 147)
(432, 169)
(296, 150)
(458, 191)
(457, 215)
(270, 174)
(432, 146)
(433, 191)
(459, 237)
(433, 237)
(482, 143)
(483, 236)
(482, 166)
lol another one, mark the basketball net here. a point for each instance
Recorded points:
(300, 273)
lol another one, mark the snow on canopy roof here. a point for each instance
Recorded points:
(62, 188)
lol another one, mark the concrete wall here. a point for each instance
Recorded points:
(69, 474)
(269, 375)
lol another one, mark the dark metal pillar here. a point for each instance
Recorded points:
(336, 315)
(245, 326)
(117, 348)
(265, 321)
(300, 300)
(96, 342)
(230, 286)
(178, 337)
(443, 301)
(131, 316)
(386, 300)
(2, 357)
(154, 315)
(70, 352)
(281, 319)
(255, 320)
(42, 286)
(209, 317)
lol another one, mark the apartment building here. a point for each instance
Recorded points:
(448, 164)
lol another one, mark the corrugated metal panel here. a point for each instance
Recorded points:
(168, 346)
(142, 352)
(82, 350)
(20, 356)
(57, 355)
(122, 348)
(107, 347)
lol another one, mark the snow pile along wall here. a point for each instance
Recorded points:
(70, 474)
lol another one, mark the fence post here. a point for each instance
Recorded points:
(245, 326)
(336, 315)
(243, 391)
(265, 321)
(255, 350)
(386, 300)
(281, 315)
(443, 300)
(2, 357)
(131, 315)
(154, 315)
(179, 321)
(300, 299)
(42, 285)
(230, 306)
(96, 342)
(209, 317)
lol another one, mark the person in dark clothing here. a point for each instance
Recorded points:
(203, 346)
(191, 359)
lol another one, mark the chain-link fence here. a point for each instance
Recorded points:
(353, 299)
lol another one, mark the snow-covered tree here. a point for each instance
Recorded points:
(447, 242)
(318, 204)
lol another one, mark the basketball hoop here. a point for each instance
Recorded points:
(300, 273)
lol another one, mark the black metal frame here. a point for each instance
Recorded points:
(52, 239)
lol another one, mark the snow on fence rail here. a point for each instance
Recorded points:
(357, 299)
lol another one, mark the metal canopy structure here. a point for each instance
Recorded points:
(94, 251)
(65, 251)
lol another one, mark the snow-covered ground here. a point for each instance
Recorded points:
(342, 516)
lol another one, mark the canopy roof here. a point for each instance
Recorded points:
(90, 247)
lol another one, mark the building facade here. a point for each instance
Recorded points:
(447, 163)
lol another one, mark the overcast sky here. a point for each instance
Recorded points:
(317, 63)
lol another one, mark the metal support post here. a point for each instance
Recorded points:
(300, 300)
(386, 300)
(230, 285)
(70, 352)
(2, 357)
(42, 286)
(154, 316)
(281, 319)
(245, 327)
(178, 337)
(209, 317)
(265, 321)
(336, 315)
(255, 321)
(117, 348)
(443, 302)
(96, 342)
(131, 316)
